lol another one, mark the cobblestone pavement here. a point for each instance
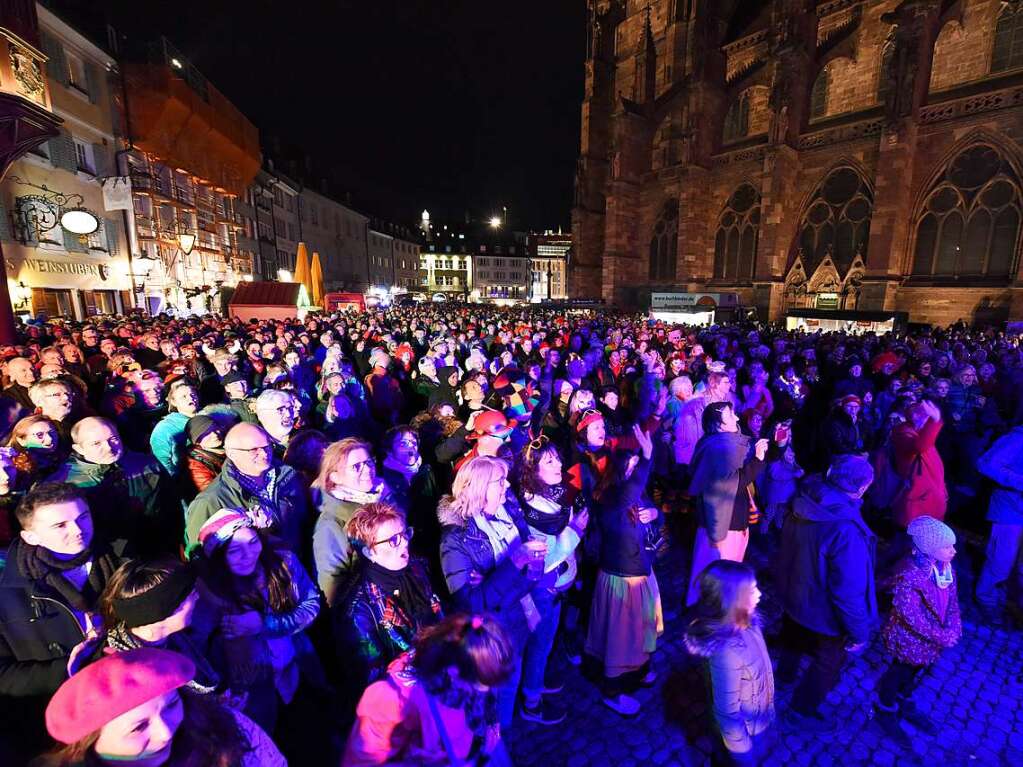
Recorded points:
(973, 693)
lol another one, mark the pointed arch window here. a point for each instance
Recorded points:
(819, 94)
(737, 119)
(969, 224)
(837, 221)
(664, 243)
(1007, 52)
(735, 246)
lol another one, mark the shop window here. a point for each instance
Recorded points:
(737, 119)
(664, 243)
(969, 223)
(735, 245)
(98, 302)
(54, 303)
(836, 221)
(1007, 52)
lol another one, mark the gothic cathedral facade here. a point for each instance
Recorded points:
(839, 154)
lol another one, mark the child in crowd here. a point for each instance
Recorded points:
(923, 622)
(725, 632)
(777, 487)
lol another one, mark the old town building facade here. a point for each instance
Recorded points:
(338, 234)
(838, 154)
(51, 271)
(193, 156)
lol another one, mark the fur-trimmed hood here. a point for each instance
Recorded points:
(447, 514)
(707, 646)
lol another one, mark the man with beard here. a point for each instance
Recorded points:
(277, 412)
(49, 595)
(273, 495)
(133, 505)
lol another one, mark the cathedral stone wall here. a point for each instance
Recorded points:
(909, 89)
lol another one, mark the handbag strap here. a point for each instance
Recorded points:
(442, 730)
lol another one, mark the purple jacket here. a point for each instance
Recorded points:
(914, 632)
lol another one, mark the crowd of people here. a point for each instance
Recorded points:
(382, 537)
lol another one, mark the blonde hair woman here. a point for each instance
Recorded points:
(347, 481)
(489, 562)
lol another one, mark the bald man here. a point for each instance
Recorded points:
(252, 481)
(131, 499)
(22, 374)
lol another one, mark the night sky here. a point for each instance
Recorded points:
(451, 105)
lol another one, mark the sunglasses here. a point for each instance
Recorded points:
(537, 444)
(398, 538)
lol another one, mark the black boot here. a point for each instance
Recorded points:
(890, 722)
(917, 718)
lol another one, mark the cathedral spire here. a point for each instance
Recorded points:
(646, 66)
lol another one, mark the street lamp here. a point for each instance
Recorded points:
(79, 221)
(186, 242)
(495, 222)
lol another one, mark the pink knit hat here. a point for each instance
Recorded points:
(220, 528)
(112, 686)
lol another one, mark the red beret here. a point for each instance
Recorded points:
(112, 686)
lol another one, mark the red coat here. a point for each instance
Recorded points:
(926, 494)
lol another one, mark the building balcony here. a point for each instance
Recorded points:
(183, 194)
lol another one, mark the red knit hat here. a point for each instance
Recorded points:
(112, 686)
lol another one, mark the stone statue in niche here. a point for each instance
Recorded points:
(905, 62)
(616, 165)
(780, 127)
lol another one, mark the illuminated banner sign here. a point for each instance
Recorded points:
(662, 301)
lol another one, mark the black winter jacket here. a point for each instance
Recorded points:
(825, 571)
(623, 542)
(37, 633)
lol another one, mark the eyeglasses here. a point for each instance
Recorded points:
(262, 448)
(398, 538)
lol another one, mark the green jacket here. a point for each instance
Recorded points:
(132, 502)
(289, 508)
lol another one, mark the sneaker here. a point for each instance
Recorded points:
(552, 687)
(543, 713)
(793, 721)
(622, 704)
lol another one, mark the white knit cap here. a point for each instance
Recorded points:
(930, 534)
